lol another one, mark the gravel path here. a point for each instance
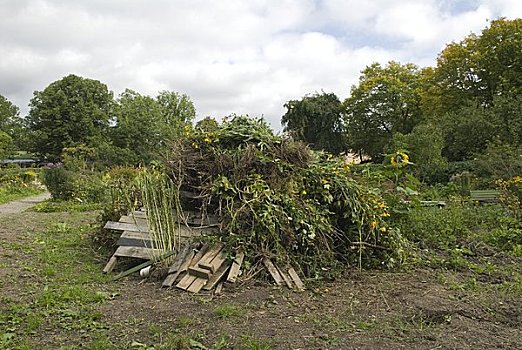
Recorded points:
(22, 204)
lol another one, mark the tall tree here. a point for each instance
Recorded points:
(316, 120)
(11, 124)
(145, 125)
(386, 100)
(481, 67)
(138, 131)
(69, 112)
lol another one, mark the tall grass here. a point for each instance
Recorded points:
(159, 195)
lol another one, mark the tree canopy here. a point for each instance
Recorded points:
(69, 112)
(316, 120)
(386, 100)
(144, 125)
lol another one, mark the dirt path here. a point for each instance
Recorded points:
(22, 204)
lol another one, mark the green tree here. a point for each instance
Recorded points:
(144, 125)
(481, 67)
(387, 100)
(178, 111)
(69, 112)
(11, 124)
(6, 145)
(316, 120)
(138, 131)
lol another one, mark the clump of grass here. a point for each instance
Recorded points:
(228, 310)
(158, 196)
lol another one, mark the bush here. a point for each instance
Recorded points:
(65, 184)
(59, 182)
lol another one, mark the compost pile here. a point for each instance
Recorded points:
(276, 198)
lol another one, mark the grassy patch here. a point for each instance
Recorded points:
(72, 206)
(62, 294)
(12, 193)
(228, 310)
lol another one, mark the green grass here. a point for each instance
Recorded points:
(228, 310)
(72, 206)
(62, 295)
(12, 193)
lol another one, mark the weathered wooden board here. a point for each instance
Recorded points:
(125, 226)
(186, 281)
(273, 271)
(217, 276)
(134, 242)
(180, 258)
(134, 220)
(236, 266)
(295, 278)
(211, 254)
(172, 277)
(111, 264)
(286, 278)
(137, 252)
(199, 272)
(197, 284)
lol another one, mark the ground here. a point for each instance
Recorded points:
(53, 295)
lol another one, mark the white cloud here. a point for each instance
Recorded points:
(229, 56)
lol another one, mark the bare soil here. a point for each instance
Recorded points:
(419, 309)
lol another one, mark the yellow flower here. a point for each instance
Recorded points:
(207, 140)
(373, 224)
(399, 159)
(195, 145)
(383, 229)
(385, 215)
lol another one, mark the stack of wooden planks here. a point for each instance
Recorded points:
(204, 269)
(136, 242)
(196, 266)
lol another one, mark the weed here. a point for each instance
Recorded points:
(256, 344)
(228, 310)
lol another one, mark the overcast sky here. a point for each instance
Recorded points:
(229, 56)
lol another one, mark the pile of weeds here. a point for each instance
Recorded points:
(276, 198)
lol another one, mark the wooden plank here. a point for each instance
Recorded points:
(199, 272)
(273, 271)
(180, 258)
(218, 289)
(124, 226)
(287, 280)
(137, 252)
(139, 214)
(196, 286)
(211, 254)
(186, 281)
(171, 278)
(199, 255)
(111, 264)
(134, 242)
(133, 220)
(217, 276)
(236, 266)
(216, 262)
(295, 278)
(136, 235)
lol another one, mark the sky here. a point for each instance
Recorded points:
(229, 56)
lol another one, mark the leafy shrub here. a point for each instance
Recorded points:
(60, 182)
(65, 184)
